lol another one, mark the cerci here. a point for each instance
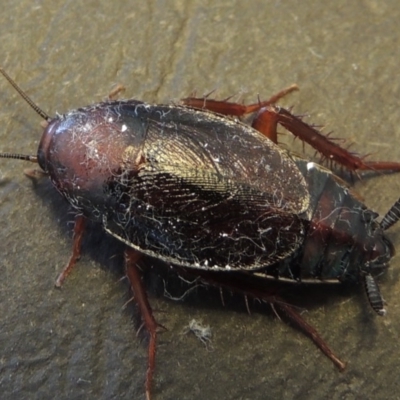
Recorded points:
(202, 191)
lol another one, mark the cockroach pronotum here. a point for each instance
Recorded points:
(193, 186)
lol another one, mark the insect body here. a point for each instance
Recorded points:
(205, 192)
(160, 179)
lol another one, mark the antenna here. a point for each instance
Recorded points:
(24, 95)
(36, 108)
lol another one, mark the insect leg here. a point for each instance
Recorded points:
(113, 95)
(234, 109)
(79, 228)
(269, 116)
(253, 288)
(140, 296)
(310, 331)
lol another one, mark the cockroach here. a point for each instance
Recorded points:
(193, 186)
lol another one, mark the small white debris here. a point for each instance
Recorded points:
(124, 128)
(202, 332)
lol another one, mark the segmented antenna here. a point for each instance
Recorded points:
(392, 216)
(23, 157)
(36, 108)
(25, 96)
(374, 295)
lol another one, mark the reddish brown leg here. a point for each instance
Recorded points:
(267, 124)
(140, 296)
(269, 116)
(255, 289)
(310, 331)
(79, 228)
(235, 109)
(113, 95)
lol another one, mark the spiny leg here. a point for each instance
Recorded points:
(267, 126)
(268, 117)
(235, 109)
(79, 229)
(140, 297)
(252, 288)
(135, 280)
